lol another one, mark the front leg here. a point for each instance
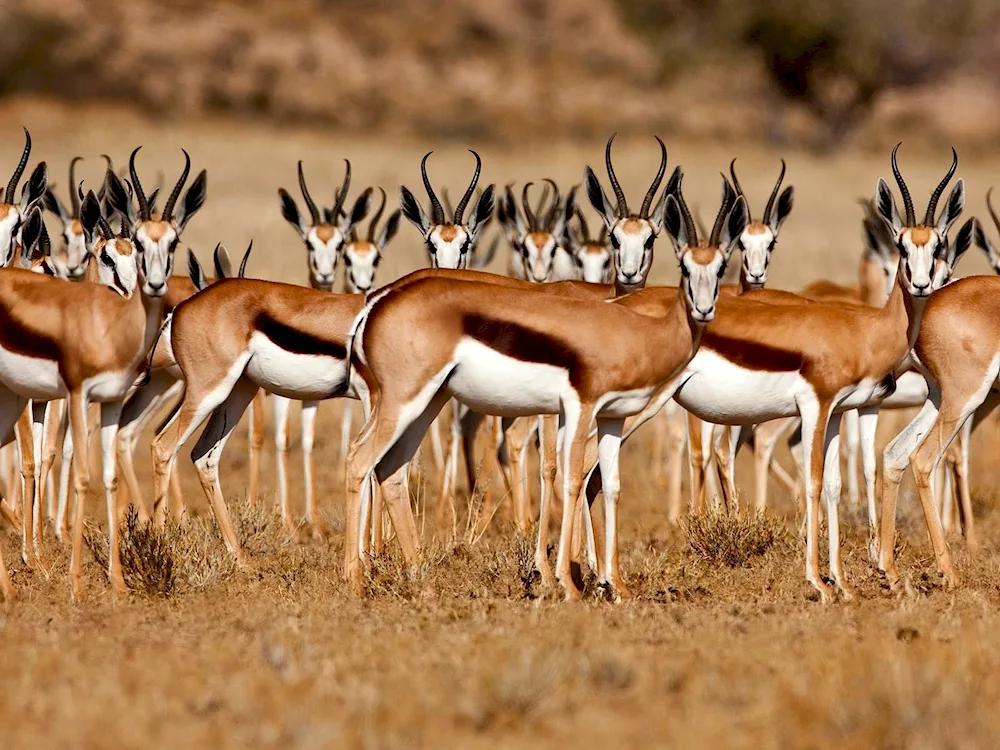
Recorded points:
(609, 440)
(110, 415)
(815, 417)
(308, 436)
(282, 406)
(574, 424)
(831, 497)
(867, 427)
(81, 481)
(26, 451)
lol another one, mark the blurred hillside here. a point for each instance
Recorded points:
(780, 70)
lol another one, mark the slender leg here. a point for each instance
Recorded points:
(345, 427)
(696, 458)
(281, 407)
(26, 450)
(65, 472)
(53, 410)
(867, 426)
(517, 437)
(81, 480)
(660, 429)
(110, 414)
(831, 496)
(894, 461)
(446, 512)
(575, 423)
(676, 438)
(256, 439)
(38, 430)
(851, 443)
(547, 436)
(609, 439)
(962, 485)
(207, 453)
(815, 416)
(308, 436)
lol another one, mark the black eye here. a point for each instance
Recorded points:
(649, 241)
(376, 261)
(430, 247)
(770, 247)
(524, 251)
(685, 271)
(901, 248)
(607, 263)
(106, 259)
(347, 261)
(722, 270)
(614, 241)
(173, 245)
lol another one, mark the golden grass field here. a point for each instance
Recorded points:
(468, 655)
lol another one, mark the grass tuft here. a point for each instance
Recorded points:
(734, 540)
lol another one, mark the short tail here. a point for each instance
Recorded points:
(152, 351)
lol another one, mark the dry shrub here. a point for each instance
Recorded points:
(148, 554)
(515, 690)
(734, 539)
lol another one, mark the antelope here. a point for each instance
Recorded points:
(328, 237)
(50, 348)
(285, 339)
(538, 240)
(592, 255)
(804, 358)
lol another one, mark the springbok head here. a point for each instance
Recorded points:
(984, 242)
(119, 257)
(535, 237)
(759, 238)
(921, 246)
(632, 235)
(449, 243)
(155, 236)
(592, 255)
(36, 249)
(13, 214)
(361, 257)
(326, 232)
(77, 256)
(703, 262)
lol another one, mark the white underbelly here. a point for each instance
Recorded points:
(716, 390)
(492, 383)
(109, 386)
(31, 377)
(298, 376)
(626, 403)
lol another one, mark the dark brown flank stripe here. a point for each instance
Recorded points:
(753, 356)
(523, 344)
(295, 341)
(17, 338)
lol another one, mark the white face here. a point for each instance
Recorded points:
(10, 224)
(76, 250)
(324, 244)
(632, 244)
(538, 250)
(702, 270)
(118, 266)
(594, 261)
(757, 242)
(917, 247)
(157, 241)
(361, 261)
(449, 246)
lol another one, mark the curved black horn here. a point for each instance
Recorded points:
(993, 213)
(375, 219)
(168, 209)
(529, 215)
(911, 217)
(774, 194)
(437, 212)
(615, 185)
(243, 263)
(728, 198)
(584, 228)
(460, 210)
(647, 202)
(140, 196)
(556, 206)
(736, 182)
(105, 228)
(19, 171)
(310, 203)
(691, 229)
(936, 195)
(74, 201)
(342, 195)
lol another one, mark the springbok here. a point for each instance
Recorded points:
(285, 339)
(592, 255)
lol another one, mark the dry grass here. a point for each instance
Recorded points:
(468, 651)
(734, 539)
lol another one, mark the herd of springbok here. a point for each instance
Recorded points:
(105, 321)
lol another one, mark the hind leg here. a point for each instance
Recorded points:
(282, 406)
(308, 466)
(676, 436)
(851, 440)
(609, 437)
(110, 414)
(207, 453)
(256, 440)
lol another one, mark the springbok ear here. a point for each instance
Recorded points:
(196, 272)
(52, 204)
(656, 216)
(413, 211)
(31, 232)
(119, 199)
(963, 241)
(151, 200)
(780, 212)
(358, 213)
(34, 189)
(736, 222)
(987, 246)
(194, 199)
(598, 199)
(952, 209)
(221, 261)
(673, 223)
(290, 210)
(389, 230)
(886, 206)
(90, 215)
(516, 226)
(483, 212)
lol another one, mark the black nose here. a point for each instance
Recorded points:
(156, 287)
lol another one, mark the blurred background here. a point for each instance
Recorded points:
(536, 86)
